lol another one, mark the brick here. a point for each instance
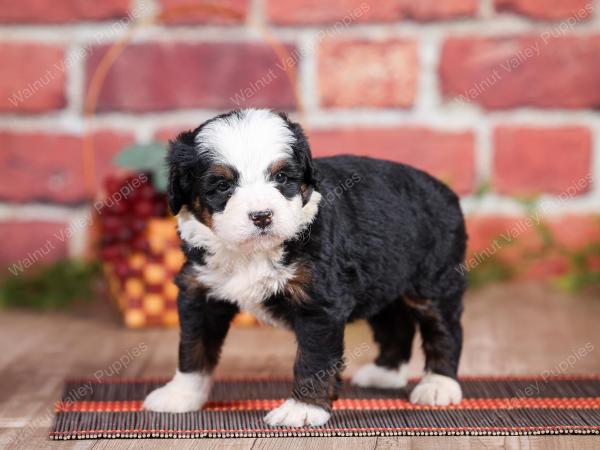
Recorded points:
(32, 79)
(574, 231)
(502, 240)
(547, 268)
(36, 166)
(304, 12)
(28, 243)
(506, 236)
(182, 12)
(367, 73)
(576, 10)
(516, 242)
(159, 77)
(62, 11)
(446, 155)
(508, 72)
(531, 161)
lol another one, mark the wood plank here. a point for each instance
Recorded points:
(182, 444)
(553, 442)
(316, 443)
(488, 442)
(10, 439)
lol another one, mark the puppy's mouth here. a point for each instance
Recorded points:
(264, 233)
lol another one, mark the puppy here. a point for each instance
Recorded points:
(311, 245)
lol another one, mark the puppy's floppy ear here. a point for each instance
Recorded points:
(302, 153)
(181, 159)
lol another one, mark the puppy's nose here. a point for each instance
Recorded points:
(261, 219)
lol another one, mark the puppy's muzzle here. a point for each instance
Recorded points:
(261, 219)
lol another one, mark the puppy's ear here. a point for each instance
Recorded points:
(302, 153)
(181, 160)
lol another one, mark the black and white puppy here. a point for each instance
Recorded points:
(310, 245)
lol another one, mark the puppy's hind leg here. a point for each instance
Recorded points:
(441, 332)
(394, 331)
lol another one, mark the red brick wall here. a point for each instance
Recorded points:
(497, 93)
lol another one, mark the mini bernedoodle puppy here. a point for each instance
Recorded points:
(310, 245)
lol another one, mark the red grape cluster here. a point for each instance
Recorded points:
(131, 201)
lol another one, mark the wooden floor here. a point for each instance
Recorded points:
(514, 329)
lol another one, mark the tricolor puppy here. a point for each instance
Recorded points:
(311, 245)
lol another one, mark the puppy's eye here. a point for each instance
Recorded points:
(281, 178)
(223, 186)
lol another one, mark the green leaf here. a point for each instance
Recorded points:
(160, 179)
(146, 158)
(482, 189)
(142, 157)
(490, 271)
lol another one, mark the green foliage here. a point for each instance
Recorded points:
(528, 201)
(583, 273)
(545, 233)
(490, 271)
(149, 158)
(51, 287)
(482, 189)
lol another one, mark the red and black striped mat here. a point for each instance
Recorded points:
(112, 408)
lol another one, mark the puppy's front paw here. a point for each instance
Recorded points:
(436, 390)
(185, 392)
(372, 375)
(297, 414)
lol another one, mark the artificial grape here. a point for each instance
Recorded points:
(143, 208)
(117, 208)
(111, 224)
(122, 269)
(138, 225)
(125, 234)
(160, 206)
(107, 240)
(141, 244)
(113, 183)
(111, 253)
(146, 192)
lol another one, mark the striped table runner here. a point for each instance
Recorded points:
(112, 408)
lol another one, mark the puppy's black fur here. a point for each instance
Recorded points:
(384, 248)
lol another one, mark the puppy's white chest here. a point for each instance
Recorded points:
(246, 280)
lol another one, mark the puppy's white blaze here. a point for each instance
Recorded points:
(250, 142)
(185, 392)
(293, 413)
(372, 375)
(436, 390)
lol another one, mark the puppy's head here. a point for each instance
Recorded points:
(246, 175)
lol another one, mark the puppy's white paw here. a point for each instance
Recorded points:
(297, 414)
(436, 390)
(185, 392)
(372, 375)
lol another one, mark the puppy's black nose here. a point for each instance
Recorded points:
(261, 219)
